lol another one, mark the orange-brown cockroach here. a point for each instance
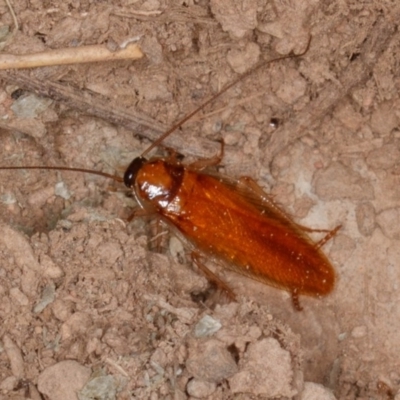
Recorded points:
(234, 222)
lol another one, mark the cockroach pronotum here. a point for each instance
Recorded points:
(233, 221)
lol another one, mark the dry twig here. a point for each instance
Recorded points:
(75, 55)
(329, 96)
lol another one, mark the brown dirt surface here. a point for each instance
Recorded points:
(90, 304)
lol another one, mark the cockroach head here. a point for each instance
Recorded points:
(132, 171)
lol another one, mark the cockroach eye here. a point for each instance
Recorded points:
(132, 171)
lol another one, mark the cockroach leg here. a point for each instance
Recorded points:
(296, 301)
(213, 278)
(327, 237)
(140, 212)
(158, 236)
(311, 230)
(172, 156)
(199, 165)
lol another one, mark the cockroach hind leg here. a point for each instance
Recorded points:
(296, 300)
(327, 237)
(203, 163)
(213, 278)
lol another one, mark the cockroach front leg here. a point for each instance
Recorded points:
(159, 236)
(173, 156)
(141, 212)
(213, 278)
(199, 165)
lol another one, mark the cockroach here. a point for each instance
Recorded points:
(232, 221)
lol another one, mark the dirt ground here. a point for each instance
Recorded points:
(89, 306)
